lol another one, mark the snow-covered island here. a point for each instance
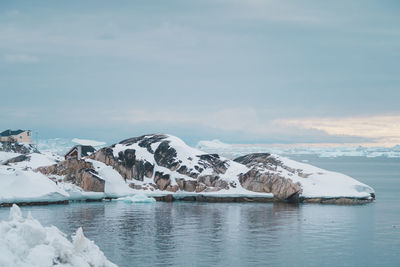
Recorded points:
(165, 168)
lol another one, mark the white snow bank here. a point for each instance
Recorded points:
(78, 194)
(139, 198)
(7, 155)
(25, 242)
(321, 183)
(37, 160)
(87, 142)
(27, 186)
(115, 185)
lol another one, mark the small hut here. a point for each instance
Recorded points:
(79, 151)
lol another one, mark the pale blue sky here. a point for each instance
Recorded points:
(233, 70)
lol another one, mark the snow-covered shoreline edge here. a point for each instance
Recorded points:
(202, 197)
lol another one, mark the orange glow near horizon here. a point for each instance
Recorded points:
(383, 130)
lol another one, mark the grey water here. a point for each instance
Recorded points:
(246, 234)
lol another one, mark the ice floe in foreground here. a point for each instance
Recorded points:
(25, 242)
(139, 198)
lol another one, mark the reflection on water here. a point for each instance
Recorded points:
(243, 234)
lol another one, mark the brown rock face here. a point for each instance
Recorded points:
(261, 177)
(162, 180)
(78, 172)
(89, 181)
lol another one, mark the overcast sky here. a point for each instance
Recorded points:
(246, 71)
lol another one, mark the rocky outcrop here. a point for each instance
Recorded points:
(78, 172)
(262, 177)
(18, 147)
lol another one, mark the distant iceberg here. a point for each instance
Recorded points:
(235, 150)
(87, 142)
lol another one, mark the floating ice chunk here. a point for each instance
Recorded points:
(140, 198)
(25, 242)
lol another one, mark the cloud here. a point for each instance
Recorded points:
(20, 58)
(243, 124)
(275, 11)
(384, 129)
(228, 119)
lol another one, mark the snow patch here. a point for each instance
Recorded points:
(321, 183)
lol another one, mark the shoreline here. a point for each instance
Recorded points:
(212, 199)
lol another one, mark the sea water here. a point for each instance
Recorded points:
(246, 234)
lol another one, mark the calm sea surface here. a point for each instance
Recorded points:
(235, 234)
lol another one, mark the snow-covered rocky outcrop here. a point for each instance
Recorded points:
(16, 147)
(20, 182)
(25, 242)
(317, 185)
(163, 166)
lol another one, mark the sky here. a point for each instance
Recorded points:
(241, 71)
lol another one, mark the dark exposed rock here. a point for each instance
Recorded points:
(165, 156)
(188, 172)
(213, 161)
(145, 141)
(148, 169)
(256, 157)
(127, 158)
(138, 171)
(17, 147)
